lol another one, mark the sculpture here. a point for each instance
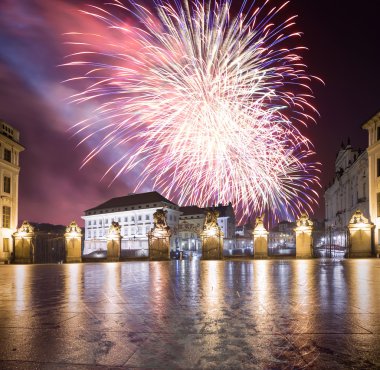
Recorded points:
(358, 217)
(73, 228)
(159, 220)
(26, 228)
(159, 237)
(115, 228)
(304, 220)
(259, 221)
(211, 220)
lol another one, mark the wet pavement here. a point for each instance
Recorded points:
(191, 314)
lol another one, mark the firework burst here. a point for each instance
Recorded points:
(206, 106)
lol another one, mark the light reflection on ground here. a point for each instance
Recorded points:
(191, 314)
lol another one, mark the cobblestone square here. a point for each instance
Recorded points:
(195, 314)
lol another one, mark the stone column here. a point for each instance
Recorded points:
(304, 240)
(73, 243)
(114, 242)
(360, 235)
(212, 237)
(24, 243)
(260, 239)
(159, 237)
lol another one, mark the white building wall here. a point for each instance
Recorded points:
(373, 150)
(9, 145)
(135, 225)
(349, 190)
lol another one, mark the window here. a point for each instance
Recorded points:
(7, 184)
(7, 155)
(147, 217)
(139, 218)
(378, 167)
(125, 219)
(89, 223)
(6, 245)
(378, 204)
(133, 218)
(6, 217)
(378, 133)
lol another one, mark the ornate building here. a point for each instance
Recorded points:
(373, 128)
(282, 235)
(191, 224)
(190, 227)
(134, 213)
(10, 149)
(349, 189)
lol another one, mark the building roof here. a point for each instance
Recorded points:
(191, 210)
(131, 200)
(224, 211)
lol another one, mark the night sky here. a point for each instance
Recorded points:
(344, 50)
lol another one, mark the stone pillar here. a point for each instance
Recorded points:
(24, 243)
(212, 237)
(114, 242)
(360, 235)
(304, 240)
(73, 243)
(260, 239)
(159, 237)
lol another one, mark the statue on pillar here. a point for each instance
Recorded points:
(260, 238)
(304, 241)
(212, 237)
(159, 237)
(114, 242)
(360, 230)
(160, 225)
(73, 239)
(24, 243)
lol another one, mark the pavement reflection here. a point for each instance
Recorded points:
(191, 314)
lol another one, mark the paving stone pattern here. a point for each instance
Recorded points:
(292, 314)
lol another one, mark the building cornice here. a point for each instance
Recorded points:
(372, 121)
(374, 147)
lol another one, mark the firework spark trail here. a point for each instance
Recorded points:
(205, 102)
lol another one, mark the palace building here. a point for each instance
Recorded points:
(10, 149)
(134, 213)
(191, 224)
(373, 151)
(349, 189)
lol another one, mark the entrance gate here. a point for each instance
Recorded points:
(332, 243)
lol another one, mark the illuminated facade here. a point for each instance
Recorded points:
(191, 224)
(373, 150)
(282, 235)
(134, 214)
(349, 190)
(190, 227)
(10, 149)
